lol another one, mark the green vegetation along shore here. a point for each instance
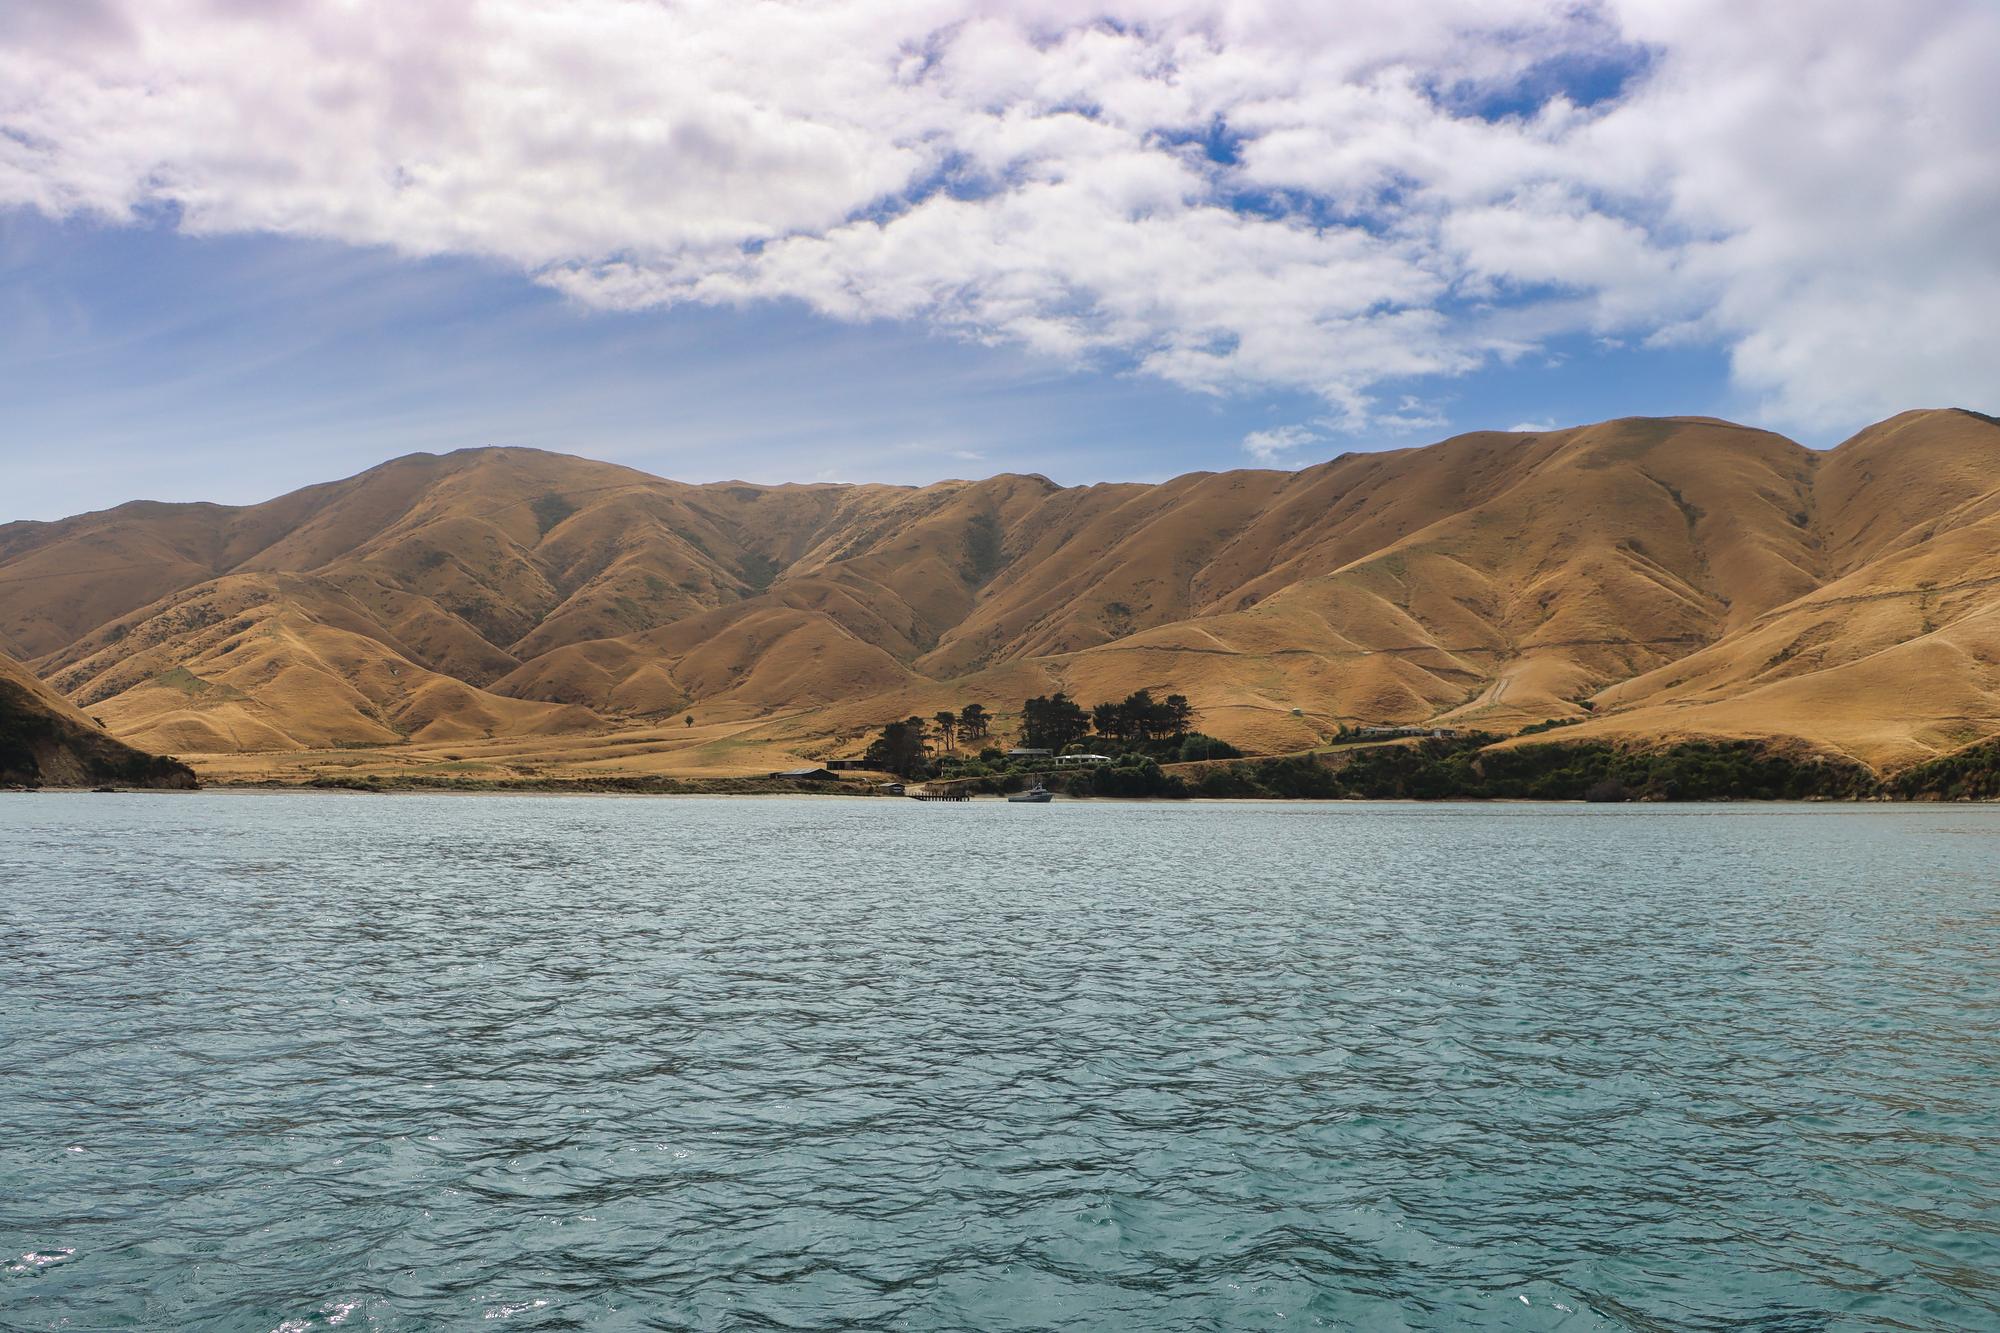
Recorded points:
(1466, 767)
(1142, 747)
(1971, 774)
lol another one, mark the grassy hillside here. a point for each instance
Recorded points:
(45, 742)
(1652, 580)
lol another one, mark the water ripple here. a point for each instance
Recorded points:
(304, 1062)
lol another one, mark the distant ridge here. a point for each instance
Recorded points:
(1649, 578)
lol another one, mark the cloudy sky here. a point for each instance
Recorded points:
(250, 244)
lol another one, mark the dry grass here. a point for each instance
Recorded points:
(510, 612)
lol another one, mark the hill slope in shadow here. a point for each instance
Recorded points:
(46, 742)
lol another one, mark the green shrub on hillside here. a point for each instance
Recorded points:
(1972, 774)
(1134, 775)
(1439, 769)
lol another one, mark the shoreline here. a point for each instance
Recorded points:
(592, 790)
(1469, 766)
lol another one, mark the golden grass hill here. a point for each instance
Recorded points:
(508, 613)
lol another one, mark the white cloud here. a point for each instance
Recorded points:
(1276, 445)
(1541, 427)
(1809, 184)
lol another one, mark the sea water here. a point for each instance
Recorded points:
(304, 1061)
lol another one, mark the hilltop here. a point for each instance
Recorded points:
(513, 612)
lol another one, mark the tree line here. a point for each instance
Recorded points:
(1057, 721)
(1053, 722)
(1464, 767)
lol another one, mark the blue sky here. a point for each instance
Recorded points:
(144, 364)
(902, 240)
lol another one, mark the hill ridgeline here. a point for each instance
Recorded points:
(513, 612)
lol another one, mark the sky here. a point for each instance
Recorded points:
(248, 245)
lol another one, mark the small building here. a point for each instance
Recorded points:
(1081, 760)
(848, 765)
(1443, 733)
(891, 788)
(806, 775)
(1026, 752)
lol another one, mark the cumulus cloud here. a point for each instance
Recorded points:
(1232, 196)
(1276, 445)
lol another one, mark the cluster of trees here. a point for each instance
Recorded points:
(1052, 723)
(1057, 721)
(1163, 726)
(969, 723)
(904, 747)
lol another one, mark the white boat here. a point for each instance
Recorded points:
(1035, 795)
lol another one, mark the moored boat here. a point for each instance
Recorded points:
(1035, 795)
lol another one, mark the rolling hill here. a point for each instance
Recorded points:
(510, 611)
(46, 742)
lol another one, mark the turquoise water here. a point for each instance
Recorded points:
(296, 1062)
